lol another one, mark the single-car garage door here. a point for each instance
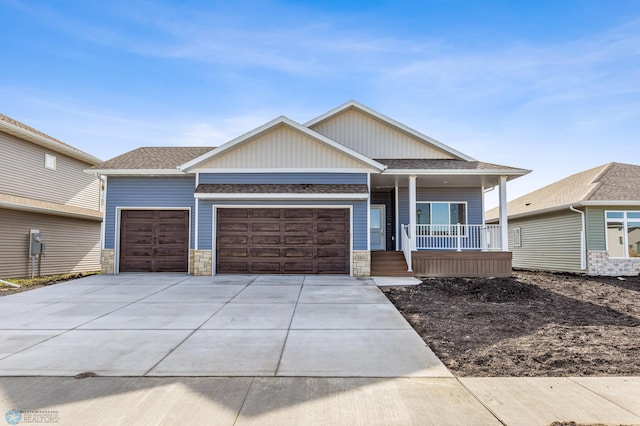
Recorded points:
(154, 241)
(283, 241)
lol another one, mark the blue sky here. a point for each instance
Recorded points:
(552, 86)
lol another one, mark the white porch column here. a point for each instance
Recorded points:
(504, 226)
(412, 211)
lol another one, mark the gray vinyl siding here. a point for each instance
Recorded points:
(72, 245)
(549, 242)
(472, 196)
(22, 173)
(360, 215)
(596, 234)
(283, 178)
(147, 192)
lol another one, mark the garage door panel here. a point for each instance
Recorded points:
(265, 252)
(233, 240)
(232, 267)
(305, 240)
(297, 227)
(265, 267)
(283, 240)
(298, 268)
(266, 240)
(337, 253)
(233, 213)
(235, 227)
(299, 252)
(265, 227)
(138, 214)
(265, 213)
(154, 241)
(329, 240)
(331, 227)
(299, 213)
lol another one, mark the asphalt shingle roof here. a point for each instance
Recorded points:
(154, 158)
(441, 164)
(609, 182)
(30, 129)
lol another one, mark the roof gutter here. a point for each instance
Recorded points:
(583, 253)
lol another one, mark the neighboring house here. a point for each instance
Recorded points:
(314, 198)
(586, 223)
(43, 187)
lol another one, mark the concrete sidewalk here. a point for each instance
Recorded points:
(323, 401)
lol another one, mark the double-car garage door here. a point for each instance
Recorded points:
(282, 241)
(248, 241)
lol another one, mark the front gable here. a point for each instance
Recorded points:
(377, 136)
(282, 145)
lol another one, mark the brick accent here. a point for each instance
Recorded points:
(107, 261)
(200, 262)
(599, 263)
(361, 263)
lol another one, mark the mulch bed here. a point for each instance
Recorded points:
(532, 324)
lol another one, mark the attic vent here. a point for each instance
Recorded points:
(49, 162)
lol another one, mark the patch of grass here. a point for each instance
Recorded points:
(47, 280)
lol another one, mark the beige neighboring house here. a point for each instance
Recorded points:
(586, 223)
(43, 188)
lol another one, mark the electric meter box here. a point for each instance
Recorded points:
(36, 246)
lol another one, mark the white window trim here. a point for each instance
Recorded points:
(466, 209)
(517, 232)
(50, 162)
(625, 232)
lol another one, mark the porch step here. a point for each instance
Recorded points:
(389, 264)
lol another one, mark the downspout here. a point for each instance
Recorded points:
(9, 284)
(583, 254)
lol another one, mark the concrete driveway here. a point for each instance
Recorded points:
(178, 325)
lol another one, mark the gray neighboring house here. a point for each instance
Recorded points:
(43, 187)
(586, 223)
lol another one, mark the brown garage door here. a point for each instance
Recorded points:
(154, 241)
(282, 241)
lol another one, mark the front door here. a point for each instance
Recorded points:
(377, 220)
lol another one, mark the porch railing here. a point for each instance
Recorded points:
(457, 237)
(406, 246)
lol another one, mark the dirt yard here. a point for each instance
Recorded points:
(533, 324)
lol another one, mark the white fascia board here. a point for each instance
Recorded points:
(391, 121)
(49, 211)
(48, 143)
(281, 120)
(135, 172)
(449, 172)
(283, 170)
(282, 196)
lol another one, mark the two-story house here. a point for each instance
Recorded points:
(43, 188)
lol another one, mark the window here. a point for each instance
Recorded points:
(517, 237)
(49, 162)
(441, 213)
(623, 233)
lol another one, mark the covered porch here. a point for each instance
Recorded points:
(435, 218)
